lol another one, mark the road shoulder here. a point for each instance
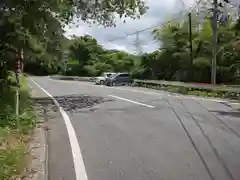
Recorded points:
(58, 156)
(38, 147)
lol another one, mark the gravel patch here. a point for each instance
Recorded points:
(74, 103)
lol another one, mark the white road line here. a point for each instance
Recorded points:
(154, 92)
(131, 101)
(79, 166)
(201, 98)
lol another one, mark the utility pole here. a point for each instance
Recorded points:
(215, 39)
(138, 49)
(190, 37)
(138, 45)
(65, 61)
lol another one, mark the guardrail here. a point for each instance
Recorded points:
(199, 86)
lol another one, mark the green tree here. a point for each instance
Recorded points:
(37, 26)
(173, 58)
(93, 59)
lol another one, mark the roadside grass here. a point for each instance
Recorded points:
(196, 91)
(14, 139)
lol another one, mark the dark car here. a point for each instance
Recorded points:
(119, 79)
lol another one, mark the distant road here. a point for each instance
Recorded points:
(130, 133)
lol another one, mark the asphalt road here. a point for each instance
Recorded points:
(129, 133)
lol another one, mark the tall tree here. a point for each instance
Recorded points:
(27, 22)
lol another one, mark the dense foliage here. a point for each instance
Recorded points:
(37, 27)
(172, 60)
(88, 58)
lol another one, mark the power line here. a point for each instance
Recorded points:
(183, 3)
(193, 8)
(139, 31)
(134, 33)
(154, 26)
(229, 2)
(161, 24)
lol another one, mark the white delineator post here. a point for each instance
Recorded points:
(19, 67)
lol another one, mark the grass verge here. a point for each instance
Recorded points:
(14, 139)
(197, 91)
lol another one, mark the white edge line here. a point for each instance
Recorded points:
(79, 166)
(131, 101)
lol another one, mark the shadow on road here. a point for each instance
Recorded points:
(71, 103)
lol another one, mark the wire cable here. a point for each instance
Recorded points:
(194, 7)
(139, 31)
(156, 25)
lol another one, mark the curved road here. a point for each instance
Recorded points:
(130, 133)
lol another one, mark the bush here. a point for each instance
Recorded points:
(13, 151)
(38, 69)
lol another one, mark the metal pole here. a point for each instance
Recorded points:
(138, 49)
(65, 61)
(138, 46)
(17, 107)
(190, 37)
(18, 71)
(214, 48)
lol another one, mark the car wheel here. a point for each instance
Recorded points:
(101, 82)
(113, 83)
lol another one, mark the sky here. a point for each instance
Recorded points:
(159, 11)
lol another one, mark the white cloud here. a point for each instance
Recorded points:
(158, 11)
(189, 3)
(109, 45)
(79, 31)
(235, 2)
